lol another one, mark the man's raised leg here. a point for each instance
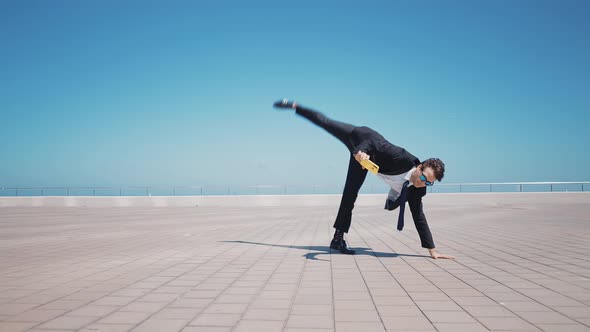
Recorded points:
(340, 130)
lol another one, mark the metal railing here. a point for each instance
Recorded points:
(579, 186)
(287, 189)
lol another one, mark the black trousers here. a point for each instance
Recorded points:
(356, 174)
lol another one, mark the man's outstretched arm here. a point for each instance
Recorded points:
(424, 230)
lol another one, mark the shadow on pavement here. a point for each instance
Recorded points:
(323, 250)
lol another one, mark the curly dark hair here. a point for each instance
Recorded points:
(437, 166)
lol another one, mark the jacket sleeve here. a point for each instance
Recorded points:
(366, 146)
(420, 222)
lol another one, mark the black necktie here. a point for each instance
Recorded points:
(402, 206)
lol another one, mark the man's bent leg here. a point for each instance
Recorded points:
(354, 181)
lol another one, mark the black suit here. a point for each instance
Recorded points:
(392, 160)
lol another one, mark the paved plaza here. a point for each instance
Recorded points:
(523, 264)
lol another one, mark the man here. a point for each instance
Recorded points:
(404, 173)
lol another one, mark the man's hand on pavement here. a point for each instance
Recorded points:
(436, 255)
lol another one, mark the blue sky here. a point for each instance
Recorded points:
(111, 93)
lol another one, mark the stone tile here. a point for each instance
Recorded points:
(507, 297)
(474, 300)
(488, 311)
(354, 305)
(259, 326)
(64, 305)
(574, 312)
(16, 326)
(113, 301)
(233, 298)
(125, 318)
(206, 319)
(524, 306)
(202, 294)
(356, 316)
(429, 296)
(296, 329)
(449, 317)
(393, 300)
(16, 308)
(315, 322)
(161, 325)
(36, 315)
(312, 309)
(360, 326)
(144, 306)
(226, 308)
(280, 294)
(206, 329)
(158, 298)
(407, 324)
(68, 323)
(93, 311)
(461, 327)
(130, 292)
(314, 299)
(361, 295)
(438, 305)
(399, 311)
(546, 318)
(190, 303)
(505, 323)
(267, 314)
(106, 328)
(563, 328)
(271, 304)
(178, 313)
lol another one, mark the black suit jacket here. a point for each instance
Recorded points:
(394, 160)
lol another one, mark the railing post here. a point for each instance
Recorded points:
(490, 187)
(173, 191)
(42, 192)
(551, 186)
(94, 192)
(520, 187)
(460, 188)
(16, 191)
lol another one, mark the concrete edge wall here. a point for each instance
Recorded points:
(277, 200)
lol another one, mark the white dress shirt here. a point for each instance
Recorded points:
(396, 182)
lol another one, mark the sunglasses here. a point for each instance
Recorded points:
(423, 179)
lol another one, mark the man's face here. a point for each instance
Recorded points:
(428, 172)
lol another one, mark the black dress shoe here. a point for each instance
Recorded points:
(340, 245)
(285, 103)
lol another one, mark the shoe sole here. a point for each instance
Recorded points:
(351, 252)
